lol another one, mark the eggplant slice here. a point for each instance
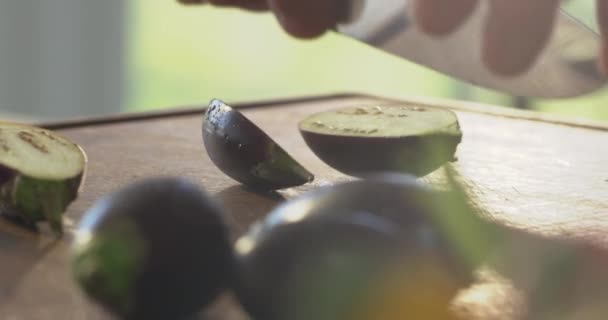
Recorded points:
(383, 138)
(245, 153)
(40, 174)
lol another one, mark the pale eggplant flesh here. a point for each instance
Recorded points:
(244, 152)
(41, 174)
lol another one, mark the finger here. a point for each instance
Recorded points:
(255, 5)
(223, 3)
(191, 1)
(516, 32)
(305, 18)
(440, 17)
(602, 17)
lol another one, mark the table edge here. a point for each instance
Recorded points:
(453, 104)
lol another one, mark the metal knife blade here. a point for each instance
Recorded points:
(565, 68)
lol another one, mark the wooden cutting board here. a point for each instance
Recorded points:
(542, 174)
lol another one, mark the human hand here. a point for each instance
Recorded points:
(515, 31)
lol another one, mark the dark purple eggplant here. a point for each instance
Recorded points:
(333, 253)
(364, 140)
(156, 249)
(388, 248)
(245, 153)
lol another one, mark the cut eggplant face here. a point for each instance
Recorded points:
(380, 248)
(40, 174)
(157, 249)
(359, 141)
(245, 153)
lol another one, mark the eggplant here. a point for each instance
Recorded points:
(385, 247)
(359, 141)
(41, 174)
(155, 249)
(245, 153)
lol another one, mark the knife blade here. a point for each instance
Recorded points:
(565, 68)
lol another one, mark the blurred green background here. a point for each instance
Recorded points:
(187, 55)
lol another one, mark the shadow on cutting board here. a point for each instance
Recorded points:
(244, 206)
(20, 250)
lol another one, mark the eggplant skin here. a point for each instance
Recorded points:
(419, 227)
(156, 249)
(361, 156)
(245, 153)
(273, 278)
(6, 174)
(30, 200)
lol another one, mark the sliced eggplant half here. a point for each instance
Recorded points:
(155, 249)
(381, 248)
(245, 153)
(402, 138)
(40, 174)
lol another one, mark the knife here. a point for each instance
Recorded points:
(566, 67)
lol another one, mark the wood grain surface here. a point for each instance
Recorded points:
(549, 177)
